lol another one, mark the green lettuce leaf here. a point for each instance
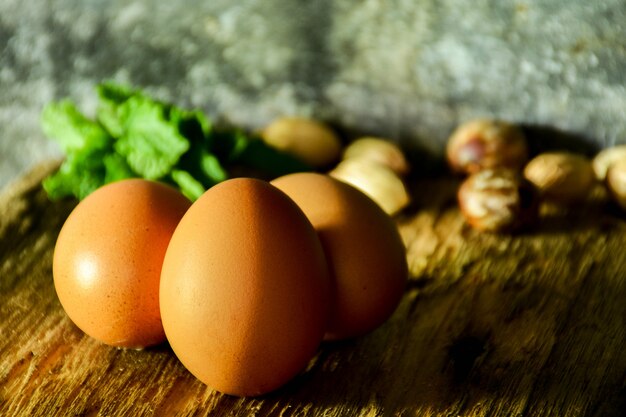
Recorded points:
(70, 129)
(151, 144)
(134, 135)
(189, 186)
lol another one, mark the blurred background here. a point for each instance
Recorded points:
(407, 70)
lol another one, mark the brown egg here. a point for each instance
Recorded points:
(108, 257)
(244, 288)
(362, 245)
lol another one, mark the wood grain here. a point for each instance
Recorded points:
(526, 325)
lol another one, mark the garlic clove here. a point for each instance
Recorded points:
(486, 144)
(308, 140)
(561, 177)
(377, 181)
(616, 182)
(605, 158)
(497, 200)
(378, 150)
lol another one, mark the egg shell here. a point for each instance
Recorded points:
(244, 288)
(363, 247)
(108, 256)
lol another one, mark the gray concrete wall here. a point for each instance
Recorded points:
(407, 69)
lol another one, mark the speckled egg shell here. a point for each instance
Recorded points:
(244, 288)
(108, 257)
(363, 248)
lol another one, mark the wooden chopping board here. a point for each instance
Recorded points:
(526, 325)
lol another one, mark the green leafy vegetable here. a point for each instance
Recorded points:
(151, 144)
(111, 97)
(257, 154)
(189, 186)
(72, 131)
(116, 168)
(134, 135)
(81, 174)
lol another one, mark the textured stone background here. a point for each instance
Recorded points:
(407, 69)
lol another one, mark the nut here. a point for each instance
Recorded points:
(561, 177)
(616, 182)
(482, 144)
(497, 200)
(375, 180)
(378, 150)
(606, 158)
(308, 140)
